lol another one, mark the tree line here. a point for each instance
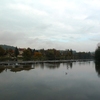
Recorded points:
(49, 54)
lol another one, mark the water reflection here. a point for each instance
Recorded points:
(53, 65)
(97, 68)
(14, 68)
(69, 65)
(42, 65)
(81, 83)
(2, 69)
(84, 62)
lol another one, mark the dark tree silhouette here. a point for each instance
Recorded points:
(27, 54)
(16, 52)
(97, 54)
(2, 51)
(97, 68)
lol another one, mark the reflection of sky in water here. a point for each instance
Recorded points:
(47, 83)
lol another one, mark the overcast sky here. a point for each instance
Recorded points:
(59, 24)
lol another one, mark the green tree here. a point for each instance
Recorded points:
(68, 54)
(27, 54)
(50, 54)
(16, 52)
(57, 54)
(2, 51)
(97, 54)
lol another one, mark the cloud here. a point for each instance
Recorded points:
(50, 23)
(11, 38)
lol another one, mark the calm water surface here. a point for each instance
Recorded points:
(51, 81)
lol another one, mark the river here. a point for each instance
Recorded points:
(51, 81)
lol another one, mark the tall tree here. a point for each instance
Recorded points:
(16, 52)
(97, 54)
(27, 54)
(2, 51)
(50, 54)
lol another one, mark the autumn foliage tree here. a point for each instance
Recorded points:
(37, 56)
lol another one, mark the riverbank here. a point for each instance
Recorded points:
(47, 61)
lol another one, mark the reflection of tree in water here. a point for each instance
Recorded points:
(16, 68)
(97, 68)
(83, 62)
(42, 65)
(21, 68)
(69, 64)
(37, 65)
(52, 65)
(2, 69)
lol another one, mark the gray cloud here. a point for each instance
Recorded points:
(11, 38)
(60, 24)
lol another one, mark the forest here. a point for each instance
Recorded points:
(14, 53)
